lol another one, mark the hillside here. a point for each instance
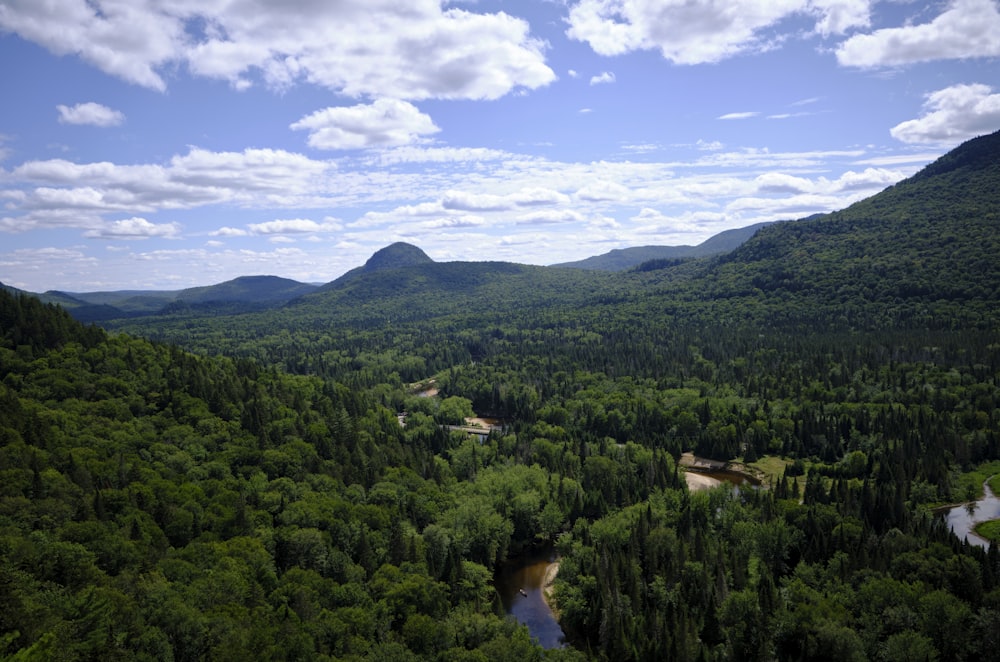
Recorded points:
(920, 252)
(621, 259)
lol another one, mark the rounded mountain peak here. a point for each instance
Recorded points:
(395, 256)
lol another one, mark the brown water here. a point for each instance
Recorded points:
(520, 583)
(963, 519)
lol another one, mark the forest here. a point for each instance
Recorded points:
(225, 483)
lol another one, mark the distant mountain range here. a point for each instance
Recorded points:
(622, 259)
(928, 244)
(245, 293)
(248, 293)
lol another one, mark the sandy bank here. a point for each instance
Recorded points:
(548, 586)
(696, 481)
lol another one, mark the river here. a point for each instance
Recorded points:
(962, 519)
(704, 480)
(521, 584)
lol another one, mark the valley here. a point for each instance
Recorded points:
(229, 475)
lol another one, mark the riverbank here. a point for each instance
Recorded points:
(966, 520)
(696, 468)
(548, 587)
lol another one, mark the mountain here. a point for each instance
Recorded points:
(247, 289)
(239, 294)
(395, 256)
(399, 255)
(925, 248)
(622, 259)
(922, 253)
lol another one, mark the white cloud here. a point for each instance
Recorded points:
(227, 231)
(604, 78)
(839, 16)
(463, 201)
(413, 154)
(90, 113)
(253, 178)
(384, 123)
(953, 115)
(603, 191)
(535, 196)
(700, 32)
(451, 222)
(738, 116)
(294, 226)
(967, 29)
(133, 228)
(129, 40)
(392, 48)
(550, 216)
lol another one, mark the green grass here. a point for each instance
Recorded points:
(989, 530)
(773, 468)
(969, 486)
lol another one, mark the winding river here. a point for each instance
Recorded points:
(521, 584)
(962, 519)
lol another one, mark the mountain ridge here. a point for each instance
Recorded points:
(621, 259)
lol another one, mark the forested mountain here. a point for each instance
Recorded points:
(237, 295)
(621, 259)
(261, 499)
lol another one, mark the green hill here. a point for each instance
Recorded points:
(621, 259)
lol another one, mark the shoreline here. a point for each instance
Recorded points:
(548, 588)
(694, 465)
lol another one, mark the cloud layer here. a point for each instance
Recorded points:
(404, 49)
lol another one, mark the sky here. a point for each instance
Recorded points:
(163, 144)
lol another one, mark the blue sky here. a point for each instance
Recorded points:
(161, 144)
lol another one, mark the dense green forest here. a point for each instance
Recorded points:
(213, 484)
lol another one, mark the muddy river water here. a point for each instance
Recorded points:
(521, 584)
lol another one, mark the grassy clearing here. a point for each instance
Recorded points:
(989, 530)
(773, 468)
(969, 486)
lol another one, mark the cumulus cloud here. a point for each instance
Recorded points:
(90, 113)
(967, 29)
(953, 115)
(701, 32)
(384, 123)
(133, 228)
(602, 79)
(251, 178)
(394, 48)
